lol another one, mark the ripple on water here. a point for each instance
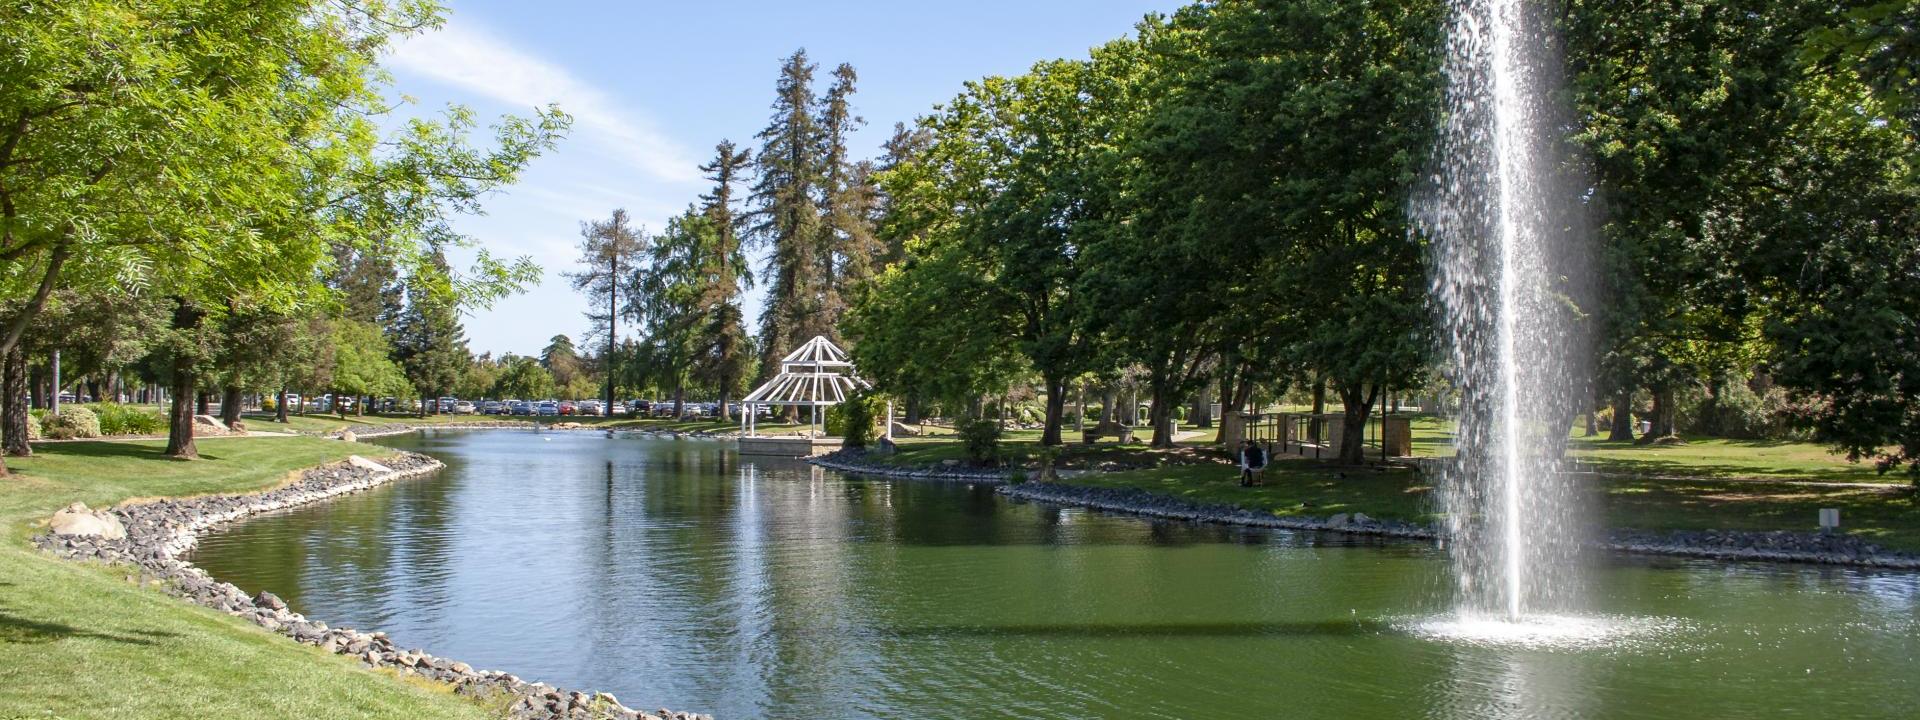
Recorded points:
(1544, 632)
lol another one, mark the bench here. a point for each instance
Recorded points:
(1124, 433)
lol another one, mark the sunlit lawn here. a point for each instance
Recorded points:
(80, 640)
(1890, 516)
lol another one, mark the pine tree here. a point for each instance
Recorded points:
(611, 252)
(786, 214)
(428, 343)
(847, 245)
(721, 354)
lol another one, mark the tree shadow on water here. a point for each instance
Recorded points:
(1326, 628)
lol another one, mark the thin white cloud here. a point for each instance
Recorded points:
(472, 59)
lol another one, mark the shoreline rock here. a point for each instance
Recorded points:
(155, 535)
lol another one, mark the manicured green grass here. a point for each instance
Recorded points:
(82, 641)
(1889, 516)
(1698, 457)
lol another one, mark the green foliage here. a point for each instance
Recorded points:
(980, 439)
(72, 422)
(525, 379)
(117, 419)
(361, 364)
(855, 420)
(34, 431)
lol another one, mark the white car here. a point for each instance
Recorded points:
(463, 408)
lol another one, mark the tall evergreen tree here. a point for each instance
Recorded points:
(847, 244)
(560, 358)
(428, 343)
(786, 214)
(610, 251)
(721, 354)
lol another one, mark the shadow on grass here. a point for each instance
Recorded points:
(111, 450)
(17, 630)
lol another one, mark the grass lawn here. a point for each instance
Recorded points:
(81, 641)
(1699, 457)
(1890, 517)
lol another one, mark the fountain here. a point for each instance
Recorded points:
(1505, 215)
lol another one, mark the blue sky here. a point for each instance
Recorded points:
(654, 85)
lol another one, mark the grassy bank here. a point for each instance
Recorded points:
(82, 641)
(1889, 516)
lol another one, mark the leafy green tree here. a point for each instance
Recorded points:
(523, 377)
(177, 147)
(362, 364)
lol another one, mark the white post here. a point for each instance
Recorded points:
(889, 419)
(55, 406)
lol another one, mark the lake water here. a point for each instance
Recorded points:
(674, 573)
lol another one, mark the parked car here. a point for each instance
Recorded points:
(567, 407)
(549, 407)
(587, 407)
(619, 408)
(462, 407)
(520, 407)
(639, 407)
(445, 404)
(492, 407)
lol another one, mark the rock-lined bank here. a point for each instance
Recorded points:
(153, 535)
(854, 462)
(1770, 546)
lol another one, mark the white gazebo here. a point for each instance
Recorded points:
(815, 376)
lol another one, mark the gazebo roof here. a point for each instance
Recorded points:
(815, 375)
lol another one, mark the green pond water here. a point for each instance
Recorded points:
(676, 574)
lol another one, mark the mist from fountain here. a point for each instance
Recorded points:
(1505, 214)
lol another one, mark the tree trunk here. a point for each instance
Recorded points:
(1358, 399)
(1622, 429)
(1593, 424)
(1663, 413)
(680, 402)
(1227, 407)
(1079, 407)
(1314, 430)
(14, 405)
(1160, 404)
(230, 406)
(1109, 417)
(180, 414)
(280, 408)
(913, 410)
(1056, 411)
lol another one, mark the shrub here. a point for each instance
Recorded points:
(73, 422)
(1737, 412)
(33, 426)
(856, 421)
(117, 419)
(981, 438)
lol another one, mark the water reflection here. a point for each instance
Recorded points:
(674, 574)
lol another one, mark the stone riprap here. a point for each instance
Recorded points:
(1772, 546)
(855, 462)
(155, 535)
